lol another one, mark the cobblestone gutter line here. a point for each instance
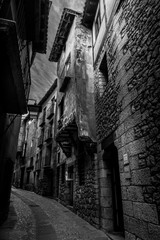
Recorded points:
(20, 223)
(68, 226)
(44, 229)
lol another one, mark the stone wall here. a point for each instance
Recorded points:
(129, 106)
(85, 198)
(86, 203)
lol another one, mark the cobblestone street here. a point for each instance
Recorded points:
(36, 217)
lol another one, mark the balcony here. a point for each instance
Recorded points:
(40, 141)
(48, 134)
(66, 127)
(65, 78)
(50, 111)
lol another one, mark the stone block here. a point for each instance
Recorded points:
(141, 177)
(102, 173)
(120, 130)
(122, 25)
(117, 16)
(128, 208)
(124, 193)
(106, 213)
(128, 75)
(146, 212)
(120, 75)
(121, 153)
(105, 192)
(137, 227)
(102, 164)
(135, 193)
(107, 224)
(128, 137)
(136, 147)
(125, 181)
(129, 236)
(154, 231)
(104, 183)
(121, 166)
(121, 45)
(123, 92)
(126, 168)
(132, 121)
(125, 114)
(126, 100)
(134, 162)
(106, 201)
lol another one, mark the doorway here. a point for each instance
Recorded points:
(110, 158)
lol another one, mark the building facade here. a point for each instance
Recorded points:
(76, 182)
(45, 159)
(34, 168)
(125, 43)
(20, 39)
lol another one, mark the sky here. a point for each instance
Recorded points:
(43, 72)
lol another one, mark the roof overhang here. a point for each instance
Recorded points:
(12, 91)
(36, 14)
(89, 12)
(64, 27)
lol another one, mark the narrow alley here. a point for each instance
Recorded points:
(35, 217)
(80, 120)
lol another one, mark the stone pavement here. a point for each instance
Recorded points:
(35, 217)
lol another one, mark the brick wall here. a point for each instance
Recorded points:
(129, 107)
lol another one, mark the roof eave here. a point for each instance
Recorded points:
(64, 27)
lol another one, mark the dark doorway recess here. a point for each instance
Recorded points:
(111, 159)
